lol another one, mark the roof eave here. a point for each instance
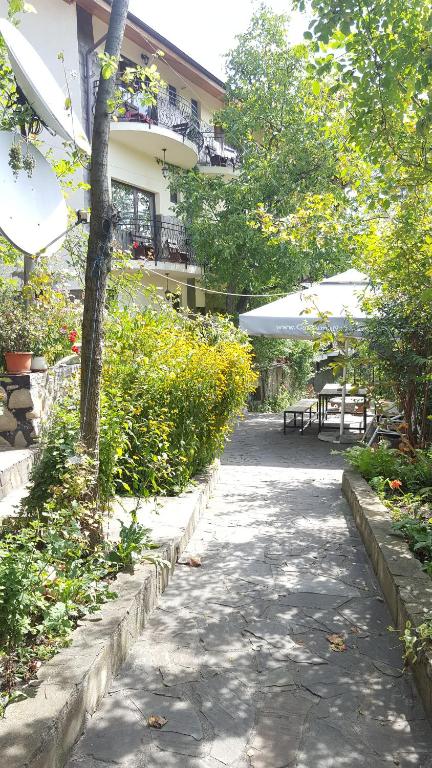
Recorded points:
(136, 29)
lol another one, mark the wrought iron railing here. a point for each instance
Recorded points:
(155, 240)
(171, 111)
(215, 152)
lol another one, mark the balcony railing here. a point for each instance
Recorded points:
(170, 111)
(216, 153)
(156, 241)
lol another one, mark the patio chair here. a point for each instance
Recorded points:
(386, 424)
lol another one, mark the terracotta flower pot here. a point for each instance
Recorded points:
(18, 362)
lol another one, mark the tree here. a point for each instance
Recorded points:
(287, 164)
(381, 53)
(398, 257)
(100, 238)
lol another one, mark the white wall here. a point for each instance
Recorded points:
(142, 171)
(53, 29)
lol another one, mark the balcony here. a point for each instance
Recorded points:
(216, 157)
(168, 124)
(161, 244)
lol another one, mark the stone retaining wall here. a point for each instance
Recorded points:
(406, 587)
(26, 400)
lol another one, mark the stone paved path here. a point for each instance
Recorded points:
(236, 656)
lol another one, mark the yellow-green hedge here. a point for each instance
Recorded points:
(172, 387)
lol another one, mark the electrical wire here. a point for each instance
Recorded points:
(220, 293)
(63, 234)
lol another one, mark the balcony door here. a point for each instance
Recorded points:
(136, 209)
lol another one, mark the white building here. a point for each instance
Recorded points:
(178, 128)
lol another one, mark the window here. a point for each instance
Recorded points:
(195, 108)
(172, 95)
(173, 196)
(136, 210)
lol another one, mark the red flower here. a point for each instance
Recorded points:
(395, 484)
(76, 349)
(135, 244)
(73, 336)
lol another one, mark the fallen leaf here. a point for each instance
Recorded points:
(356, 630)
(156, 721)
(337, 642)
(194, 561)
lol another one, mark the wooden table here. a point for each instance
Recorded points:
(335, 390)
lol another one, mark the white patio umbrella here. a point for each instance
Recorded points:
(299, 315)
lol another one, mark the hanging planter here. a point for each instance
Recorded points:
(18, 362)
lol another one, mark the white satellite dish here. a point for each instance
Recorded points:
(40, 88)
(33, 212)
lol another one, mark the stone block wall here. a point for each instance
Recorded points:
(25, 403)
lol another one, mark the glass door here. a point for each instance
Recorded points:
(136, 212)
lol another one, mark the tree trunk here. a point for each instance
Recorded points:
(243, 302)
(99, 246)
(231, 300)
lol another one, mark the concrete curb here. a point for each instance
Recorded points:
(40, 731)
(15, 468)
(406, 587)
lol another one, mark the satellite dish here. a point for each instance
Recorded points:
(33, 211)
(40, 88)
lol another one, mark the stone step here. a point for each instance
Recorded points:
(15, 468)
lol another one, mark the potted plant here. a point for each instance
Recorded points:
(18, 334)
(43, 327)
(18, 356)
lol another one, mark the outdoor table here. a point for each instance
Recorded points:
(335, 390)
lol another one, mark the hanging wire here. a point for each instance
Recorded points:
(41, 251)
(220, 293)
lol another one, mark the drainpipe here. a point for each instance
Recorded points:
(89, 84)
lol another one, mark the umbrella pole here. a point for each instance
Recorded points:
(344, 390)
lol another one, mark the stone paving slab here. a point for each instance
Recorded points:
(236, 657)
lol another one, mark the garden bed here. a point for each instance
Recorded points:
(40, 731)
(406, 587)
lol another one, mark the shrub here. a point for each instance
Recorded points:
(172, 387)
(296, 358)
(58, 445)
(414, 470)
(51, 574)
(379, 461)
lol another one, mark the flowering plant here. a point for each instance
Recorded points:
(395, 484)
(19, 328)
(46, 325)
